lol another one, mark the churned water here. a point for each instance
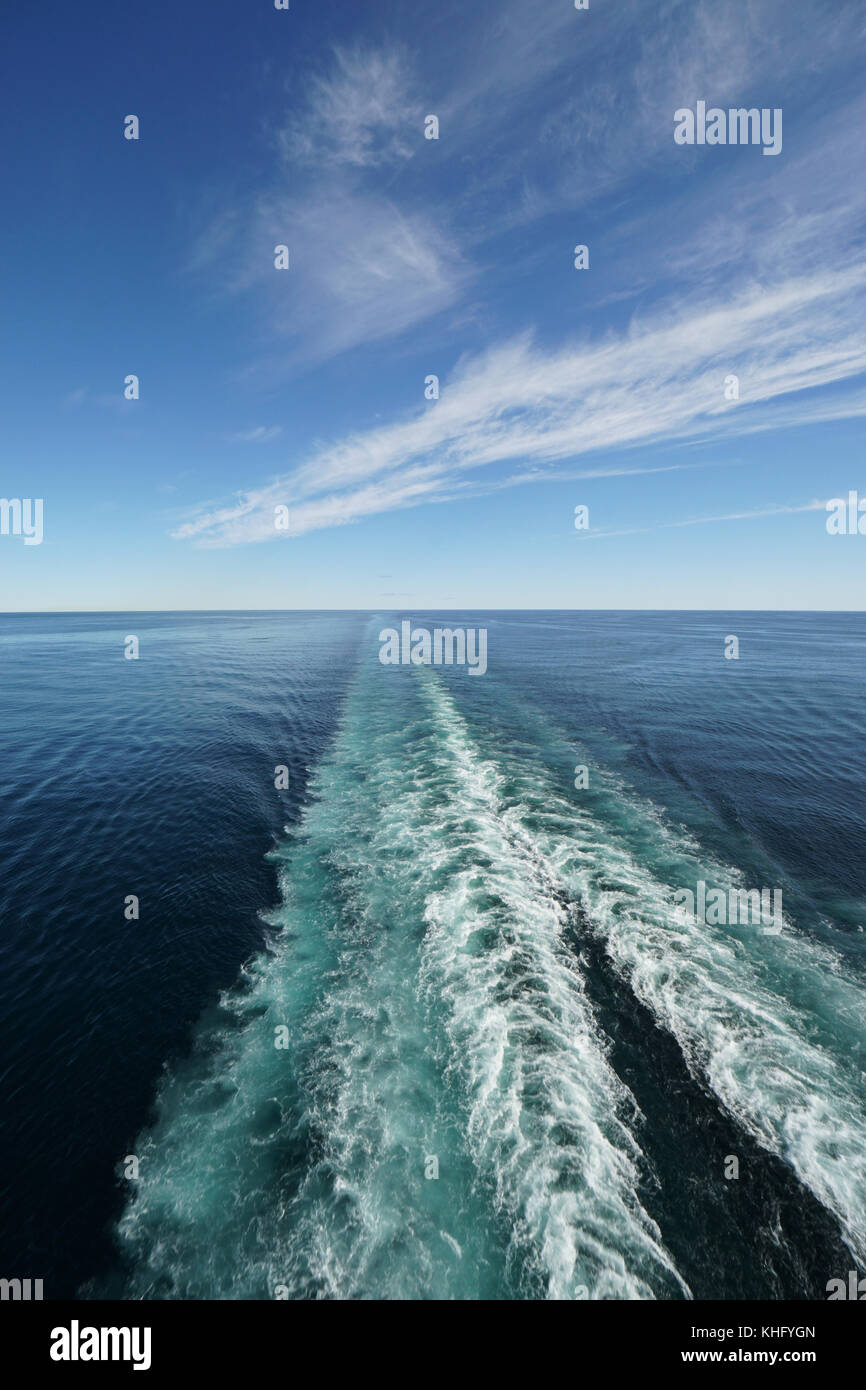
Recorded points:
(430, 1023)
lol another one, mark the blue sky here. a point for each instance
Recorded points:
(411, 257)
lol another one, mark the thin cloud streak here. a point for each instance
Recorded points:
(661, 380)
(261, 434)
(781, 510)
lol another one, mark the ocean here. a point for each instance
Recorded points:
(422, 1016)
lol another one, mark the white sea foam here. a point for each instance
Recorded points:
(547, 1114)
(434, 1008)
(769, 1022)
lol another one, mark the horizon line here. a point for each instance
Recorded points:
(466, 608)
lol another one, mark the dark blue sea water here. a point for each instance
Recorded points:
(509, 1065)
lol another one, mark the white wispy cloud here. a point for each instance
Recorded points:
(661, 379)
(363, 269)
(781, 509)
(544, 110)
(591, 107)
(757, 270)
(756, 513)
(361, 112)
(260, 434)
(366, 264)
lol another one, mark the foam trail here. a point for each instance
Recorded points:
(302, 1169)
(770, 1022)
(546, 1110)
(432, 1011)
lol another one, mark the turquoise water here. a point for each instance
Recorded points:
(512, 1069)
